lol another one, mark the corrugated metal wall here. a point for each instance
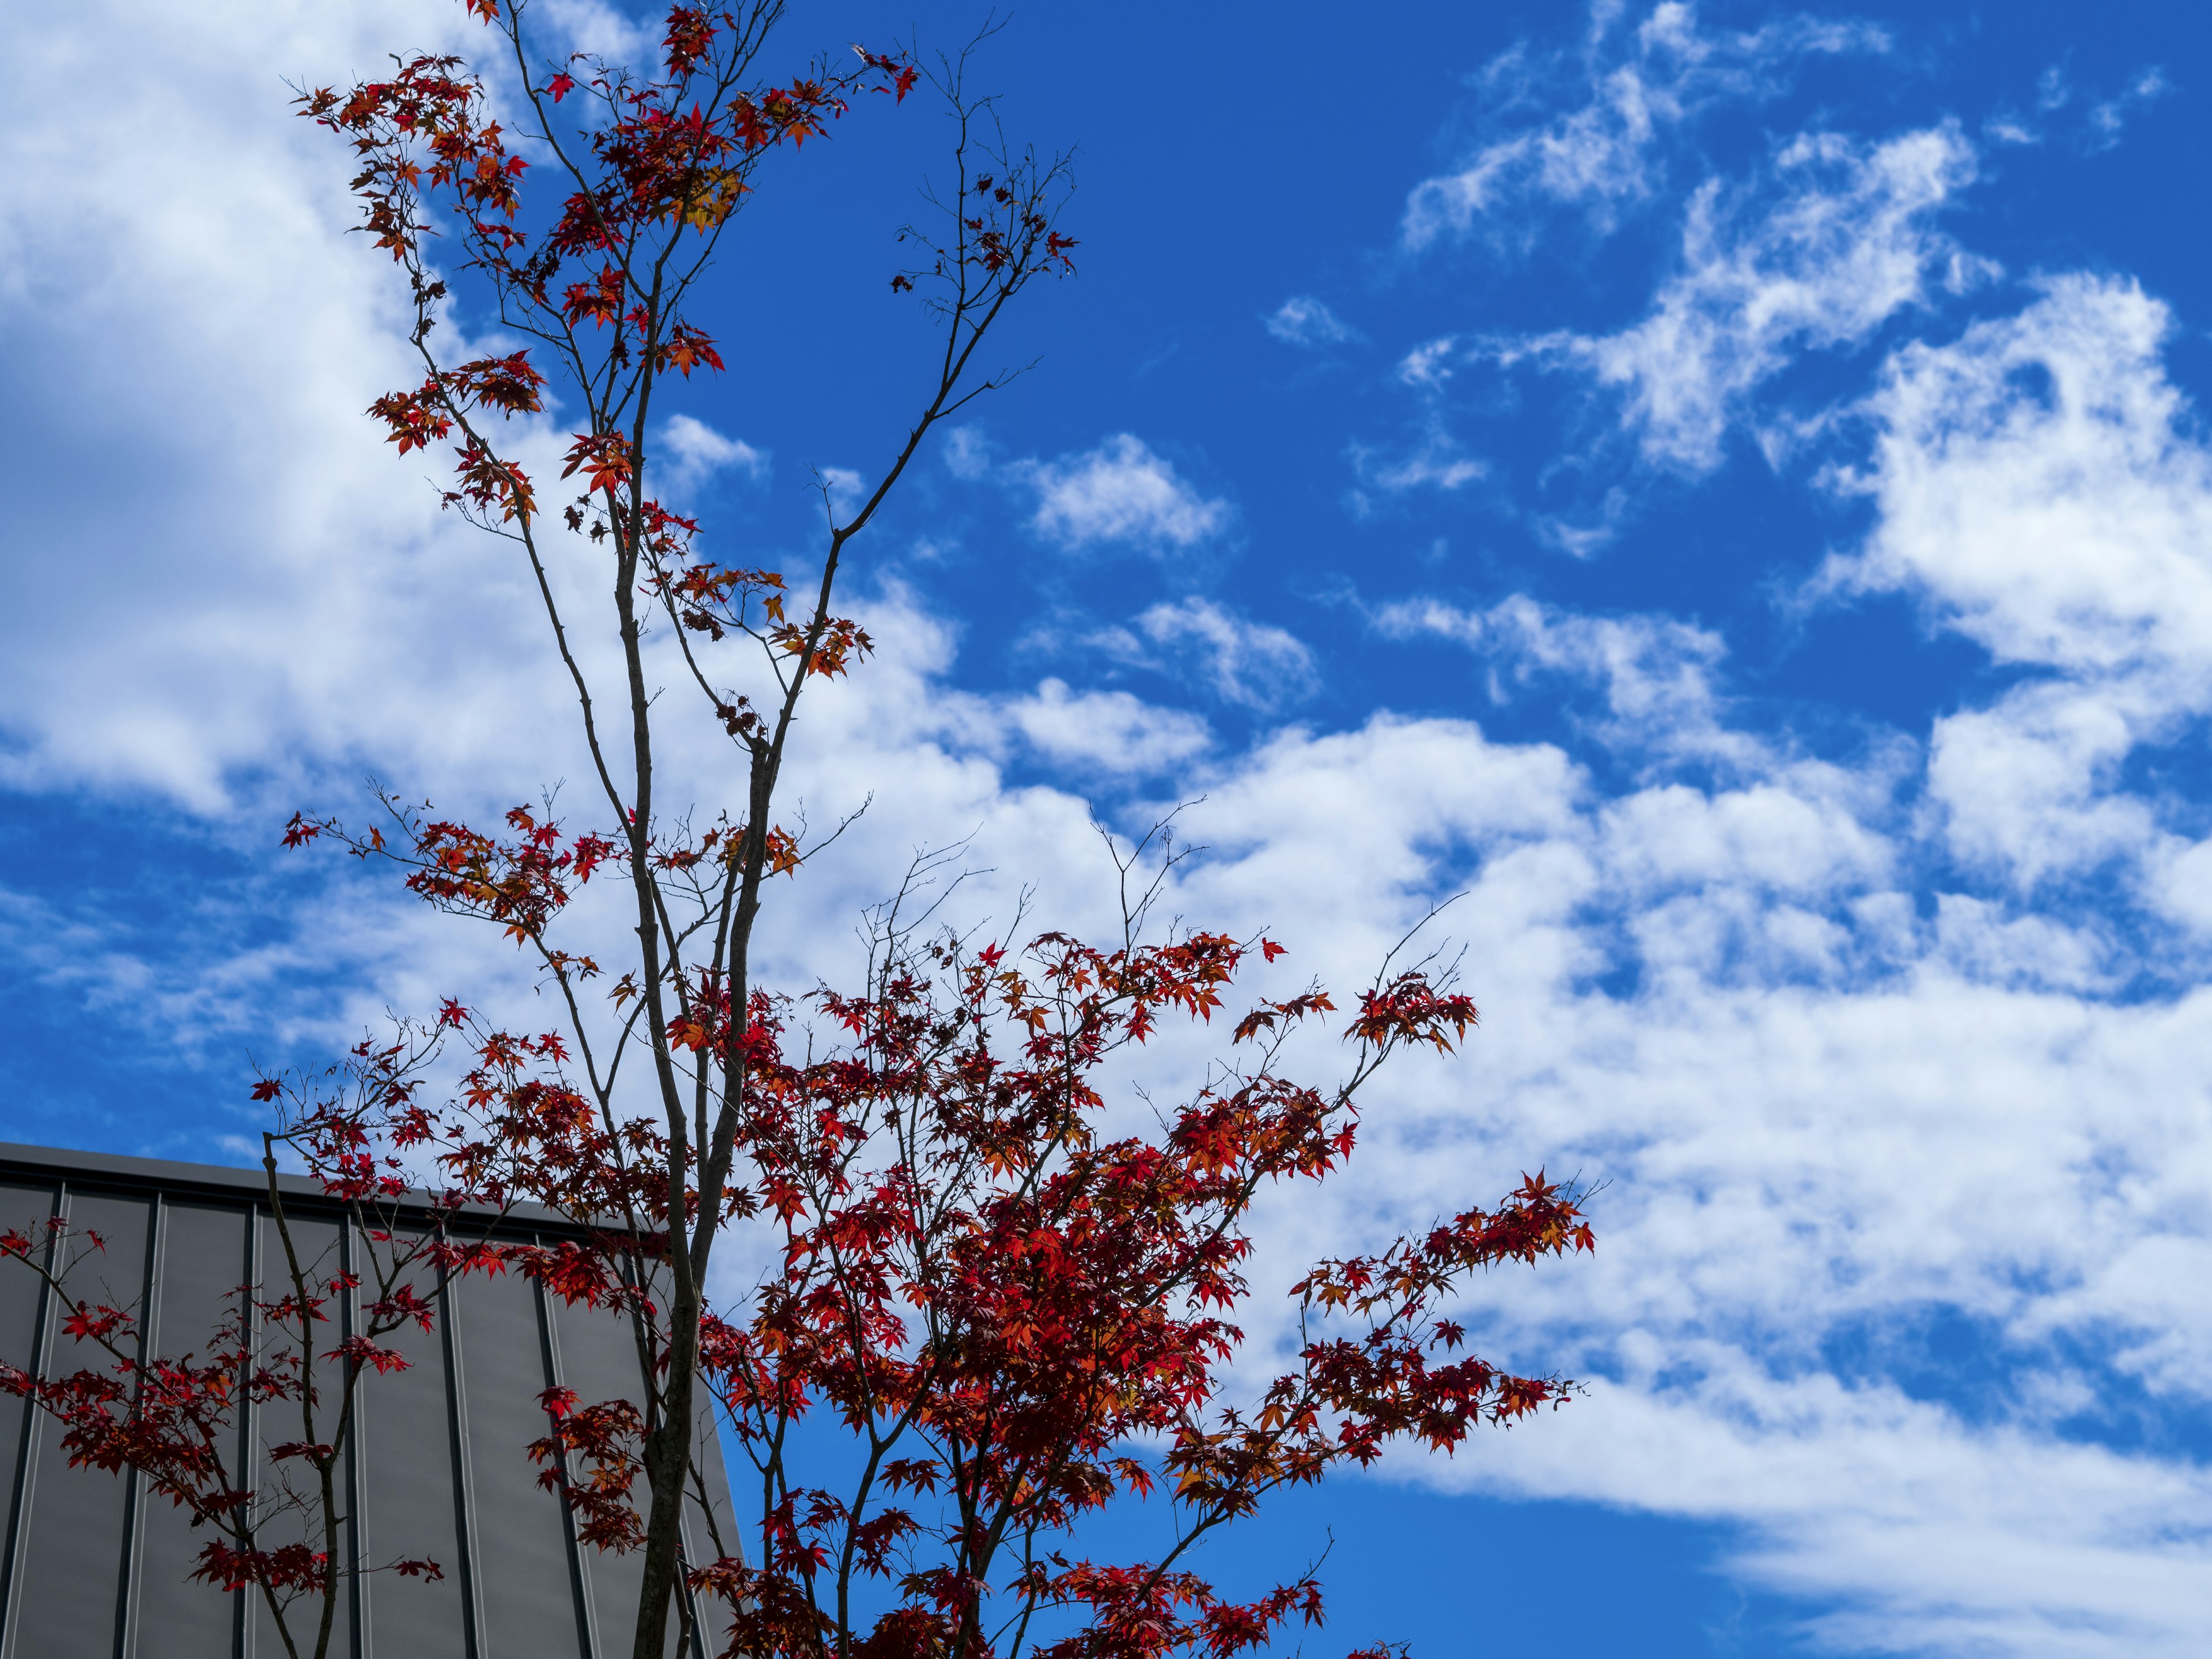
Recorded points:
(89, 1567)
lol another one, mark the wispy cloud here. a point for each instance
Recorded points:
(1634, 85)
(2109, 117)
(1303, 320)
(1249, 664)
(1437, 462)
(1846, 240)
(1656, 674)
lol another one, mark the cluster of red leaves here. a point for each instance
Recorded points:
(669, 155)
(519, 880)
(718, 600)
(1028, 1300)
(591, 1458)
(1006, 1303)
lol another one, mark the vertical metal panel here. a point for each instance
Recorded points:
(599, 1361)
(134, 1483)
(581, 1556)
(410, 1508)
(23, 1322)
(711, 1531)
(521, 1535)
(73, 1551)
(246, 1608)
(202, 1258)
(464, 1498)
(319, 1245)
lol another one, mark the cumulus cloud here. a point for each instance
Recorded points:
(2041, 492)
(263, 631)
(1636, 84)
(2038, 485)
(1303, 320)
(1122, 492)
(1105, 731)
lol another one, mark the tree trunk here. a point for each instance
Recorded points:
(667, 1460)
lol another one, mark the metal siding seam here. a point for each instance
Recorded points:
(357, 1585)
(580, 1568)
(686, 1546)
(464, 1492)
(150, 1331)
(248, 1426)
(26, 1465)
(686, 1555)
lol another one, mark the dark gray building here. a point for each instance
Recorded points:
(91, 1568)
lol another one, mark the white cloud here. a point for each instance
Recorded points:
(596, 28)
(1119, 492)
(1636, 85)
(699, 452)
(844, 488)
(1105, 731)
(1848, 245)
(2041, 492)
(260, 630)
(1982, 943)
(1430, 364)
(1657, 673)
(1303, 320)
(2037, 486)
(968, 452)
(1254, 665)
(2103, 122)
(1437, 463)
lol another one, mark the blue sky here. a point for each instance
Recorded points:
(1725, 486)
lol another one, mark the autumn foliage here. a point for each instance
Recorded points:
(927, 1212)
(1019, 1314)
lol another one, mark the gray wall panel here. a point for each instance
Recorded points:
(528, 1607)
(318, 1244)
(68, 1605)
(411, 1507)
(598, 1360)
(22, 1204)
(701, 1540)
(203, 1257)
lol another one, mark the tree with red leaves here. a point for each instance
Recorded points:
(1012, 1299)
